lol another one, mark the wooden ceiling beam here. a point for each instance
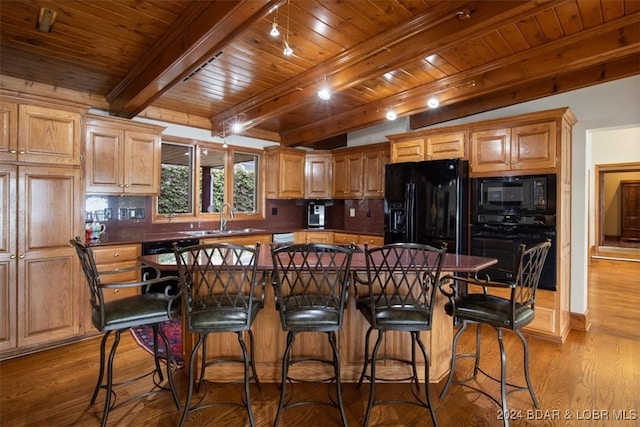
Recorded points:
(578, 79)
(204, 30)
(573, 53)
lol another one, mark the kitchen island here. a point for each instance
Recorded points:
(270, 339)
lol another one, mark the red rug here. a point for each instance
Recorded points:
(143, 335)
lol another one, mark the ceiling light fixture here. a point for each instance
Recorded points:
(434, 102)
(287, 49)
(274, 27)
(46, 19)
(324, 92)
(392, 115)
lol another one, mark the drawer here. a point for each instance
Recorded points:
(125, 277)
(114, 294)
(345, 238)
(371, 240)
(110, 254)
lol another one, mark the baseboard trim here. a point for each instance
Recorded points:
(579, 321)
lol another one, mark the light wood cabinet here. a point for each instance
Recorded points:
(318, 175)
(359, 171)
(373, 163)
(285, 173)
(630, 221)
(347, 174)
(113, 257)
(39, 134)
(518, 148)
(427, 145)
(314, 237)
(360, 239)
(42, 290)
(123, 157)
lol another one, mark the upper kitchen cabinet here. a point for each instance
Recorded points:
(359, 171)
(525, 144)
(123, 157)
(318, 175)
(35, 133)
(347, 174)
(427, 145)
(373, 162)
(285, 173)
(514, 149)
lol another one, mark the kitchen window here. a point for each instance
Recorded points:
(197, 178)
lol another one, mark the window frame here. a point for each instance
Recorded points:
(229, 153)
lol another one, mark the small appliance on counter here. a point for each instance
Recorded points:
(315, 215)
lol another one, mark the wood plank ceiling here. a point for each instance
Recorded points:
(207, 63)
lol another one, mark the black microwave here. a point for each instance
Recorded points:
(517, 195)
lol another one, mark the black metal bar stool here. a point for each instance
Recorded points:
(311, 284)
(222, 293)
(502, 313)
(146, 308)
(398, 295)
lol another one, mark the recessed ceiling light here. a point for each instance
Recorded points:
(391, 115)
(433, 102)
(324, 93)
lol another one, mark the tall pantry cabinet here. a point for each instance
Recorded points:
(41, 207)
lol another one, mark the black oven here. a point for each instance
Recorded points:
(501, 241)
(164, 247)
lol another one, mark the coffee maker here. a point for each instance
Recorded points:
(315, 215)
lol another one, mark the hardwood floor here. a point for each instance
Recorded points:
(593, 379)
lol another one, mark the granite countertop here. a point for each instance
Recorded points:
(144, 236)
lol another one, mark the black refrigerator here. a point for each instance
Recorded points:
(428, 202)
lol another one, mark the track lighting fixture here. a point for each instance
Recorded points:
(391, 115)
(274, 27)
(433, 102)
(287, 51)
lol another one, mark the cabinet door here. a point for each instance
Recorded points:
(48, 135)
(373, 163)
(447, 146)
(408, 151)
(8, 272)
(533, 146)
(285, 174)
(630, 221)
(8, 130)
(347, 180)
(141, 162)
(104, 161)
(50, 290)
(317, 172)
(490, 150)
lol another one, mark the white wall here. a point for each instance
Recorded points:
(598, 109)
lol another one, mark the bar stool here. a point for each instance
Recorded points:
(512, 313)
(311, 284)
(146, 308)
(221, 293)
(398, 295)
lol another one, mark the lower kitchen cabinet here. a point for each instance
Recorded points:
(110, 258)
(42, 290)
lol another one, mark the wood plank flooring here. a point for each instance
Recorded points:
(593, 379)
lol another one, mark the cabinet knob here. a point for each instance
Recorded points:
(121, 185)
(115, 291)
(23, 152)
(116, 254)
(13, 151)
(12, 256)
(21, 256)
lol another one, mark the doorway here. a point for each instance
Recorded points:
(608, 213)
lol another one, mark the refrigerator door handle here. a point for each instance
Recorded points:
(410, 209)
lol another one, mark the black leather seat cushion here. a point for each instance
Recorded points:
(489, 309)
(223, 318)
(395, 315)
(311, 313)
(144, 309)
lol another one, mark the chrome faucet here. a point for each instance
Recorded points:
(223, 220)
